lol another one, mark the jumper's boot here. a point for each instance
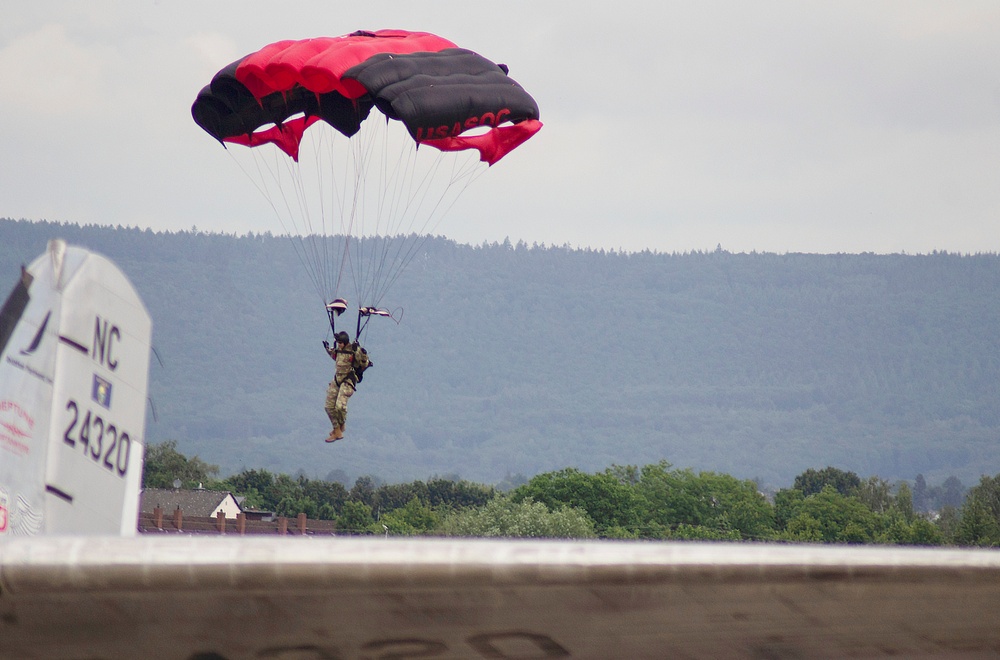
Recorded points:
(338, 433)
(333, 435)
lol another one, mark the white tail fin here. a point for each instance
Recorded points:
(74, 369)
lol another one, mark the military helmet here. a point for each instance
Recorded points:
(342, 337)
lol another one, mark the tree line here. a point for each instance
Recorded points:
(756, 365)
(652, 502)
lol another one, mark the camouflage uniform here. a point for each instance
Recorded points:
(344, 381)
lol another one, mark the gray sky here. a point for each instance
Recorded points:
(674, 126)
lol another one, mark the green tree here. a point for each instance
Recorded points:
(813, 481)
(287, 489)
(988, 491)
(874, 493)
(510, 482)
(921, 494)
(902, 525)
(355, 517)
(609, 503)
(803, 527)
(329, 497)
(626, 474)
(414, 517)
(504, 517)
(364, 490)
(702, 533)
(947, 523)
(736, 505)
(903, 502)
(388, 497)
(830, 517)
(264, 490)
(924, 532)
(720, 502)
(163, 464)
(976, 525)
(291, 506)
(980, 517)
(452, 493)
(952, 493)
(786, 506)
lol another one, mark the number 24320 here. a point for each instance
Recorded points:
(101, 440)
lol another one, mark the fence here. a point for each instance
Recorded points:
(177, 522)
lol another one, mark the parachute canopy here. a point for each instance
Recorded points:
(364, 195)
(440, 92)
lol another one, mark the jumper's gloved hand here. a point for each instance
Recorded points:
(326, 344)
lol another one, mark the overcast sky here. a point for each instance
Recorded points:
(674, 126)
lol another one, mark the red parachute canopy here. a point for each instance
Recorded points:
(438, 90)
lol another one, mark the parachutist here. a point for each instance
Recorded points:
(351, 360)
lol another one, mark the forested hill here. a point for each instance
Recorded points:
(512, 359)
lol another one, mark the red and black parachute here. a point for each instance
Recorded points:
(436, 89)
(363, 197)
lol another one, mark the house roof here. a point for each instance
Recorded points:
(191, 502)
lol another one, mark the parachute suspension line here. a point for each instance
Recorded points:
(260, 181)
(333, 319)
(270, 165)
(330, 204)
(329, 182)
(345, 190)
(462, 173)
(334, 204)
(413, 194)
(397, 203)
(305, 233)
(389, 175)
(362, 325)
(363, 154)
(464, 170)
(382, 192)
(360, 153)
(379, 219)
(337, 186)
(300, 217)
(378, 189)
(313, 237)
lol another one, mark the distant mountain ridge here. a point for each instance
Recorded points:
(512, 359)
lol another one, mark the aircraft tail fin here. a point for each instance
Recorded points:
(74, 366)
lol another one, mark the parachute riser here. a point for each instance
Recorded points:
(333, 322)
(361, 326)
(337, 307)
(367, 313)
(333, 310)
